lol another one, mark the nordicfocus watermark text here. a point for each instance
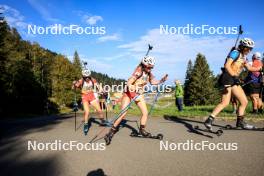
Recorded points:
(58, 145)
(190, 145)
(124, 87)
(58, 29)
(191, 29)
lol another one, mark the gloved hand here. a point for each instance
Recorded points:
(74, 84)
(164, 78)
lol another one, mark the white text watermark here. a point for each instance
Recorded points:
(190, 29)
(58, 29)
(58, 145)
(190, 145)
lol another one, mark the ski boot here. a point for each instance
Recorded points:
(85, 128)
(143, 132)
(208, 123)
(108, 137)
(240, 123)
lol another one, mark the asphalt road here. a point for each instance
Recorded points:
(126, 155)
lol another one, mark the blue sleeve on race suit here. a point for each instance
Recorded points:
(233, 54)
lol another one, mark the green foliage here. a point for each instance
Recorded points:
(77, 65)
(20, 90)
(34, 79)
(187, 83)
(200, 88)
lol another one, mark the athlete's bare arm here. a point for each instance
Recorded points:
(228, 67)
(252, 69)
(130, 83)
(156, 82)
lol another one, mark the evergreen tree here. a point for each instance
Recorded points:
(32, 77)
(202, 83)
(187, 83)
(62, 78)
(77, 65)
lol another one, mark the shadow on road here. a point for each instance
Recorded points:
(98, 172)
(187, 124)
(15, 158)
(123, 124)
(14, 127)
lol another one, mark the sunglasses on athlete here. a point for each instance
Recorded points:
(149, 67)
(86, 77)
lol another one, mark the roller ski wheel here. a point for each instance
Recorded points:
(160, 136)
(219, 132)
(229, 127)
(134, 134)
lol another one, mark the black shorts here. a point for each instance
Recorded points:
(255, 88)
(226, 79)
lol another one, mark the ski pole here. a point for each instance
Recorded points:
(84, 65)
(106, 107)
(154, 102)
(243, 85)
(240, 32)
(156, 97)
(75, 109)
(149, 48)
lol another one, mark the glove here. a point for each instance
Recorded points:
(74, 84)
(164, 78)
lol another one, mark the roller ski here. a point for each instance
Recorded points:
(208, 127)
(242, 125)
(142, 133)
(218, 132)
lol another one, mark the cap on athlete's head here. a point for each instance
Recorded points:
(86, 73)
(148, 61)
(256, 55)
(246, 43)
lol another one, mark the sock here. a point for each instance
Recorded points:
(213, 116)
(240, 117)
(142, 126)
